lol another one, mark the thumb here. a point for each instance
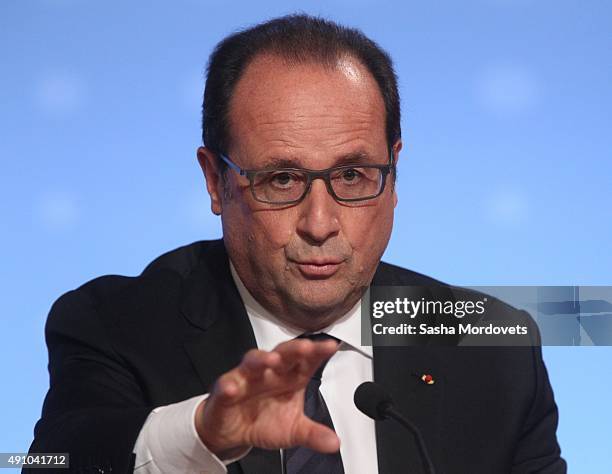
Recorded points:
(316, 436)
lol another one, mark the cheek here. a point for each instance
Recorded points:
(368, 229)
(273, 229)
(259, 231)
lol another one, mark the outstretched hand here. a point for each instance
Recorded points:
(261, 402)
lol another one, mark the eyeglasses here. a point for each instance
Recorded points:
(346, 183)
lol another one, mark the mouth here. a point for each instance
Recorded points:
(318, 269)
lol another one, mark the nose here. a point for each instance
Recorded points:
(319, 217)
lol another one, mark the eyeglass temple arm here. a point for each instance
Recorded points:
(232, 165)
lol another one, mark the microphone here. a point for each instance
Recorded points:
(374, 401)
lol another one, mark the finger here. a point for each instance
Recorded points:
(250, 377)
(316, 436)
(255, 362)
(228, 387)
(298, 350)
(304, 356)
(292, 353)
(238, 382)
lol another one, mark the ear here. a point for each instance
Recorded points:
(396, 152)
(214, 180)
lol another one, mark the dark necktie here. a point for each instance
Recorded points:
(301, 460)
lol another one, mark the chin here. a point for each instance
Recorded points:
(322, 300)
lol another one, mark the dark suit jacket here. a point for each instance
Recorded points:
(120, 346)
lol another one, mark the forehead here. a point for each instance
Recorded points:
(307, 111)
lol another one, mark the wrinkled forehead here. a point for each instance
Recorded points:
(284, 107)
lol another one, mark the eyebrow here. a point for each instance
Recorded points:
(353, 158)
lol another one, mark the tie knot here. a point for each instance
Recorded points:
(319, 337)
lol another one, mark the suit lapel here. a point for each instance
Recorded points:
(212, 303)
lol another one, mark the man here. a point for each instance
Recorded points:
(197, 364)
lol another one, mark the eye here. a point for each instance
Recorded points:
(350, 175)
(283, 179)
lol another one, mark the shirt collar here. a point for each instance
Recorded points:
(270, 331)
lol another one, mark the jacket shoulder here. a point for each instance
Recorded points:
(179, 262)
(183, 260)
(159, 283)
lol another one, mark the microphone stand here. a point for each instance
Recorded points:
(389, 412)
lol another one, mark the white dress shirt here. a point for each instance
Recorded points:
(168, 441)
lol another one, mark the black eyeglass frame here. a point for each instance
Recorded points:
(311, 175)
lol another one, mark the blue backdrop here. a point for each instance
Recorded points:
(505, 176)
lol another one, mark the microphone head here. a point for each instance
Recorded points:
(372, 400)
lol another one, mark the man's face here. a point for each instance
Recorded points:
(307, 263)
